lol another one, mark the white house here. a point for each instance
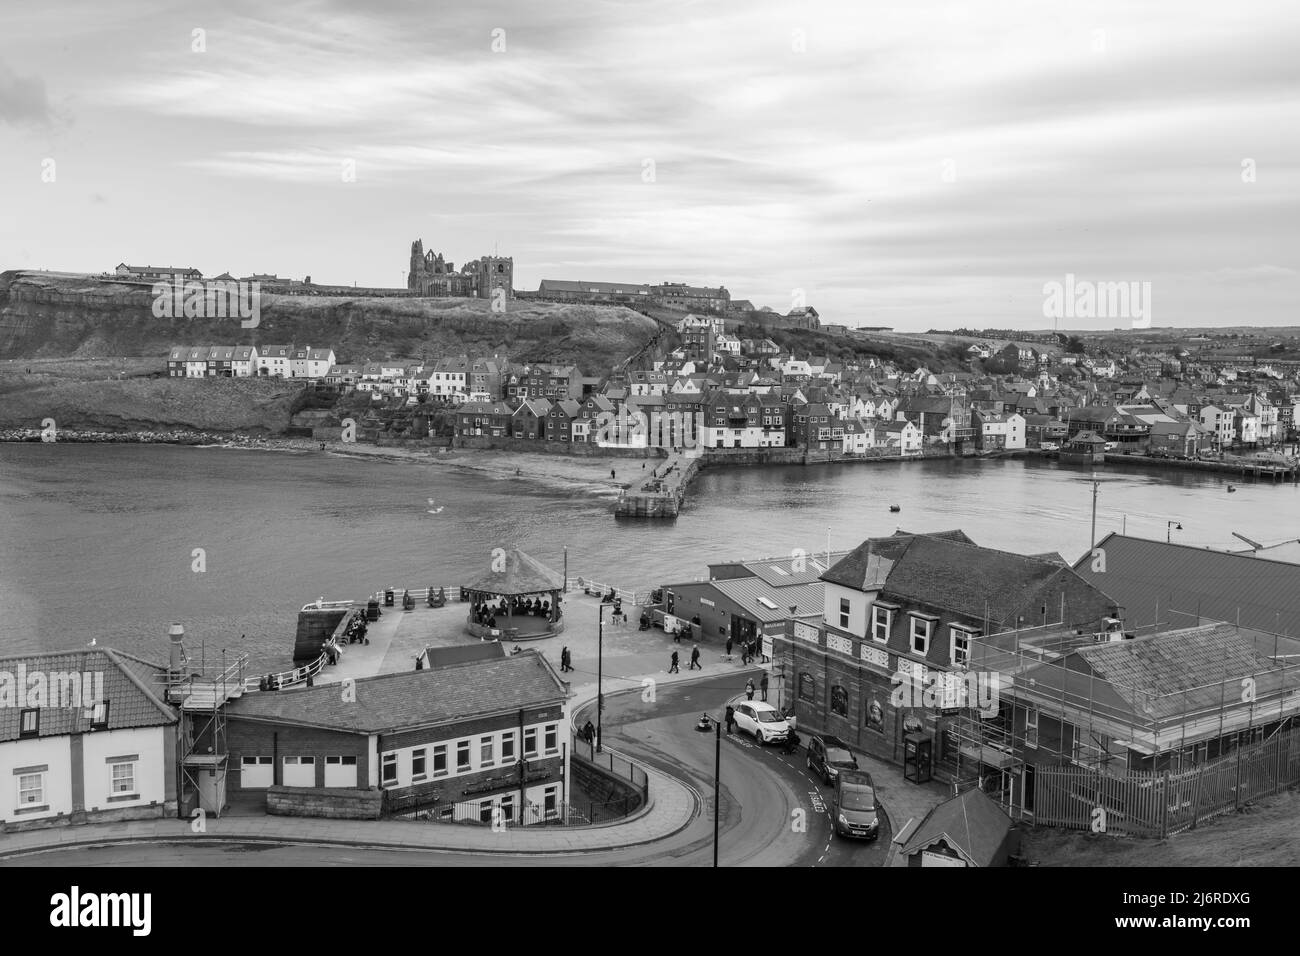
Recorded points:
(447, 379)
(273, 360)
(97, 744)
(858, 438)
(243, 362)
(307, 362)
(1003, 431)
(1219, 422)
(902, 437)
(727, 343)
(196, 362)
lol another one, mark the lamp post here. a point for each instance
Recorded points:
(600, 670)
(1170, 528)
(717, 784)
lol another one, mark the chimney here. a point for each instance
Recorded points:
(176, 660)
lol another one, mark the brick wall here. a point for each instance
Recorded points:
(251, 739)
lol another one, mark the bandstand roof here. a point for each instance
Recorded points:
(523, 574)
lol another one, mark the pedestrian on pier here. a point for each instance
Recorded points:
(749, 689)
(673, 669)
(695, 659)
(763, 685)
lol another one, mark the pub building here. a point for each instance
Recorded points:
(910, 605)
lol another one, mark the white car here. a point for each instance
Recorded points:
(1048, 446)
(1112, 446)
(764, 721)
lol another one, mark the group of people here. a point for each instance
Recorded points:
(749, 687)
(673, 667)
(485, 613)
(566, 660)
(748, 650)
(355, 632)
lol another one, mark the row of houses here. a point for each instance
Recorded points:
(249, 361)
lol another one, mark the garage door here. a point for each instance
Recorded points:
(299, 771)
(256, 772)
(340, 771)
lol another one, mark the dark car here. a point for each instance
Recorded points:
(855, 811)
(828, 755)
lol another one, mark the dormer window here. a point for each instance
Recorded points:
(922, 626)
(882, 621)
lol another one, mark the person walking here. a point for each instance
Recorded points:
(564, 661)
(611, 473)
(731, 717)
(695, 659)
(729, 643)
(749, 689)
(589, 731)
(763, 685)
(673, 669)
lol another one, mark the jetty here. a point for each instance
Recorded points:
(661, 494)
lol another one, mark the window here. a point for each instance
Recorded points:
(508, 808)
(921, 634)
(882, 621)
(807, 686)
(29, 722)
(552, 738)
(1031, 727)
(440, 760)
(99, 716)
(530, 742)
(485, 811)
(390, 768)
(960, 646)
(462, 755)
(839, 701)
(418, 764)
(486, 751)
(31, 790)
(844, 613)
(508, 747)
(123, 778)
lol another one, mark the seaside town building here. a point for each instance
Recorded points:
(96, 744)
(455, 742)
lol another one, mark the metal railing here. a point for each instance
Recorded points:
(611, 761)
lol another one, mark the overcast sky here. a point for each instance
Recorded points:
(911, 164)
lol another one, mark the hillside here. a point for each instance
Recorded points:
(54, 315)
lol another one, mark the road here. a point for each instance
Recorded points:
(773, 813)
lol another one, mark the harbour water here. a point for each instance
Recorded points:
(113, 543)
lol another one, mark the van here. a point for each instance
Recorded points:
(855, 812)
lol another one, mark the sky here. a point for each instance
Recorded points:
(913, 164)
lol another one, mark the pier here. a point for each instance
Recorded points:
(1273, 469)
(661, 494)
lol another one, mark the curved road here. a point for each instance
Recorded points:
(773, 812)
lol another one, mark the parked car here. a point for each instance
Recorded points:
(1048, 446)
(764, 721)
(828, 756)
(855, 811)
(1112, 446)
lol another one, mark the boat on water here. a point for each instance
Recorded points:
(1085, 448)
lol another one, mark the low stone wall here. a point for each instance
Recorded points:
(335, 803)
(612, 789)
(152, 811)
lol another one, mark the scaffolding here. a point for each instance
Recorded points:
(1066, 745)
(201, 746)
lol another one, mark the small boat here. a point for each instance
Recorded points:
(895, 508)
(1231, 489)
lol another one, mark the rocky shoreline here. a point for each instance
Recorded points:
(180, 437)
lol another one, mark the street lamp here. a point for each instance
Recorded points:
(717, 774)
(600, 668)
(1170, 528)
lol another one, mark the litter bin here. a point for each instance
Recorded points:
(372, 610)
(388, 598)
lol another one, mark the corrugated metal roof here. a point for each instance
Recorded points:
(750, 593)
